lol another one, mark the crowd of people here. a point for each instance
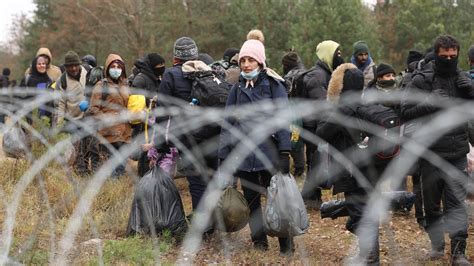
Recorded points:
(362, 90)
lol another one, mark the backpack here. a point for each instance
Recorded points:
(136, 106)
(207, 89)
(298, 88)
(291, 78)
(94, 75)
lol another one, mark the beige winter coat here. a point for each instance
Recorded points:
(71, 97)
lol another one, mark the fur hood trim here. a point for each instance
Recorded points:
(337, 82)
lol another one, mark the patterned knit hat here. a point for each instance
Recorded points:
(185, 49)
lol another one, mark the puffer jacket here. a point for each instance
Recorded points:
(342, 138)
(115, 102)
(454, 144)
(265, 88)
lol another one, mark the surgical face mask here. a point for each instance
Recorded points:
(115, 73)
(251, 75)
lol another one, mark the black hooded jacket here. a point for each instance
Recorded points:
(316, 82)
(340, 135)
(146, 79)
(454, 144)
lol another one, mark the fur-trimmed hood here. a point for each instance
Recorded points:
(340, 81)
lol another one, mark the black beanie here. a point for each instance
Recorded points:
(353, 80)
(6, 71)
(470, 53)
(290, 59)
(155, 59)
(207, 59)
(383, 69)
(229, 53)
(414, 56)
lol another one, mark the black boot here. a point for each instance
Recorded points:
(458, 255)
(287, 247)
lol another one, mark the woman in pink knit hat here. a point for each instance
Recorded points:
(256, 84)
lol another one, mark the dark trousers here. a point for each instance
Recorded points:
(416, 180)
(298, 161)
(254, 184)
(311, 189)
(366, 230)
(139, 155)
(451, 188)
(120, 169)
(198, 182)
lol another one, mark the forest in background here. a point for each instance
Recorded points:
(134, 27)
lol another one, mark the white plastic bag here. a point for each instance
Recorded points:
(285, 213)
(15, 142)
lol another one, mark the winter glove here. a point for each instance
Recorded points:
(463, 82)
(84, 105)
(284, 162)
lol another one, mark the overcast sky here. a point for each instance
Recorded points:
(10, 8)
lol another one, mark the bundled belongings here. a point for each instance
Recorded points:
(232, 212)
(156, 206)
(285, 213)
(399, 200)
(15, 142)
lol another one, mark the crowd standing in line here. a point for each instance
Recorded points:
(250, 81)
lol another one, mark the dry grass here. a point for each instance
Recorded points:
(35, 233)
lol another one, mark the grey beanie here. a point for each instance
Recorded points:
(185, 49)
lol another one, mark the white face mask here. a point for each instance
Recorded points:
(115, 73)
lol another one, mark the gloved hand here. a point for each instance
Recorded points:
(284, 162)
(84, 105)
(463, 82)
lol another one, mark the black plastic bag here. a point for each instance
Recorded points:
(399, 200)
(156, 206)
(232, 212)
(285, 213)
(333, 209)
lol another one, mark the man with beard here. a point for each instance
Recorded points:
(444, 81)
(315, 84)
(71, 87)
(363, 61)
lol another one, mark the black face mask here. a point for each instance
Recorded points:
(337, 60)
(446, 67)
(386, 83)
(159, 71)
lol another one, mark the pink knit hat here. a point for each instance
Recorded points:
(254, 49)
